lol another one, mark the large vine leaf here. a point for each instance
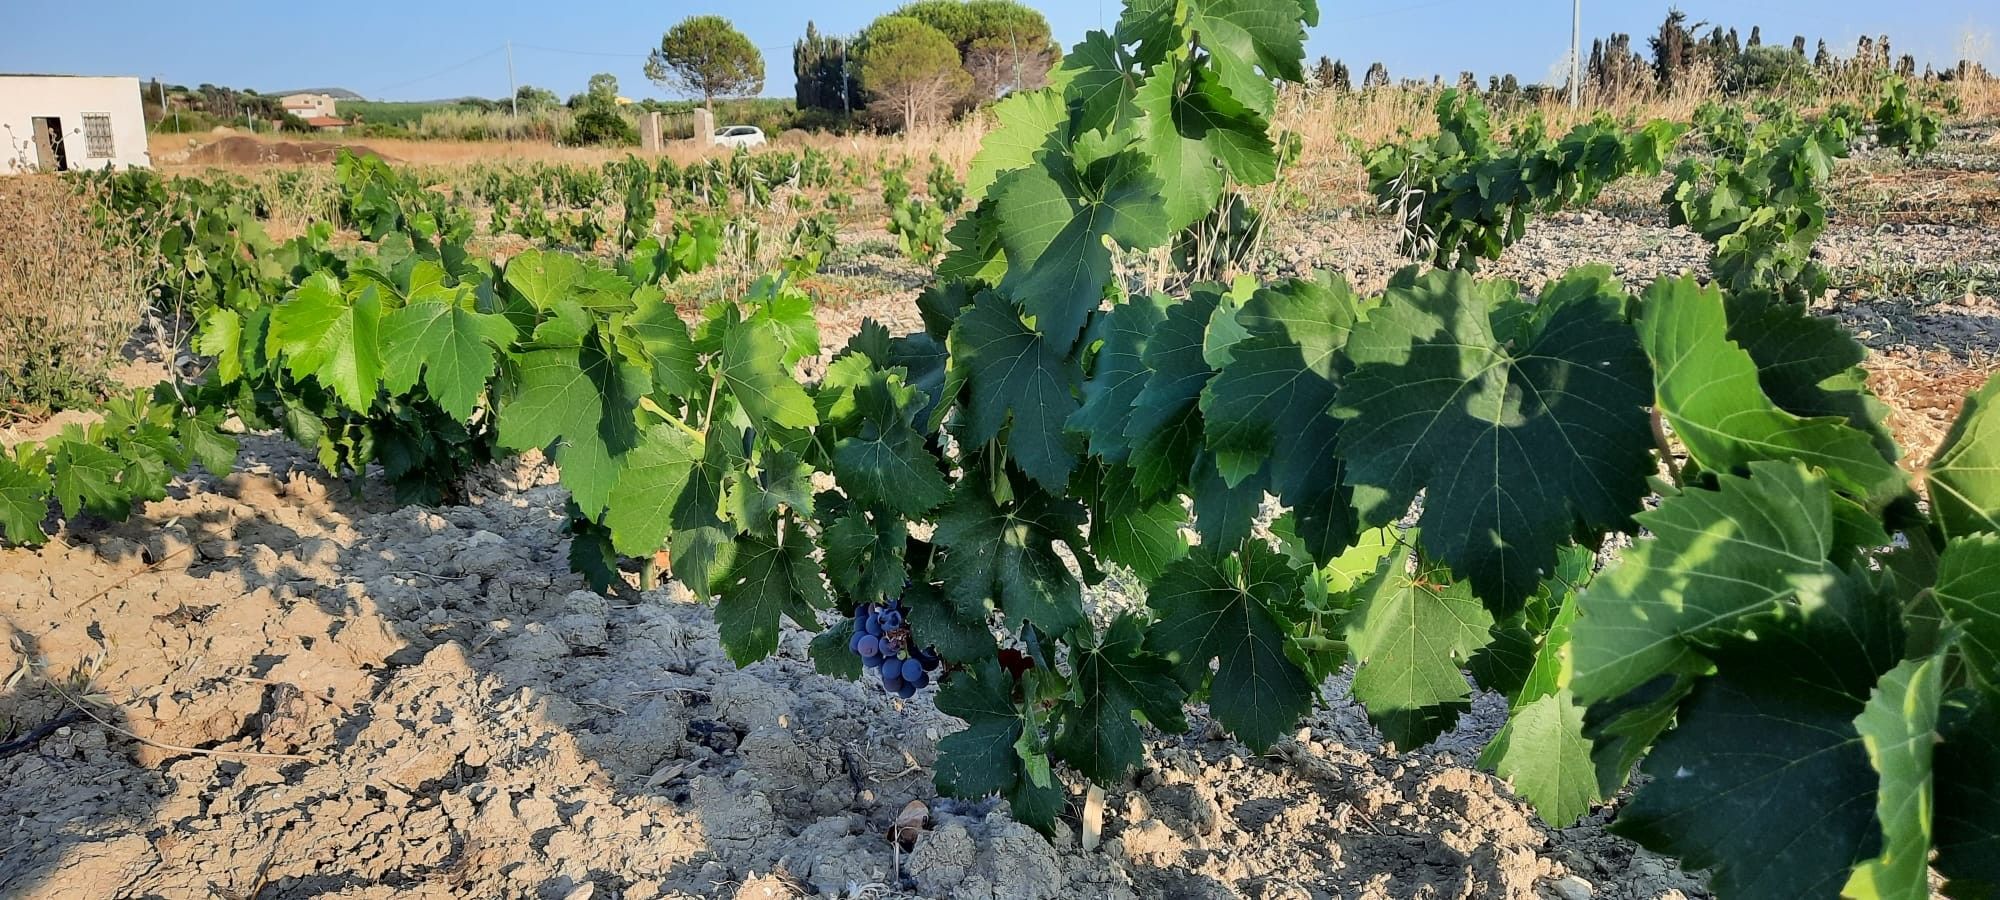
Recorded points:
(1766, 781)
(1899, 728)
(1967, 825)
(1024, 124)
(1968, 588)
(664, 335)
(1542, 750)
(1006, 553)
(1518, 423)
(1215, 609)
(88, 480)
(1270, 406)
(24, 502)
(1053, 222)
(1116, 678)
(1118, 375)
(450, 345)
(1717, 558)
(650, 481)
(1251, 43)
(864, 555)
(767, 580)
(1411, 637)
(1964, 492)
(1199, 135)
(580, 402)
(1808, 364)
(1164, 428)
(983, 758)
(326, 334)
(1142, 534)
(1019, 374)
(1708, 390)
(753, 368)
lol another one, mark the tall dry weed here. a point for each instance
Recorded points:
(73, 289)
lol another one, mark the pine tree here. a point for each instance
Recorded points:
(1756, 37)
(1378, 76)
(1323, 74)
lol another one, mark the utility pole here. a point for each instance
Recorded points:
(1575, 53)
(513, 93)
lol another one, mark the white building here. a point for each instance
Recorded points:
(70, 122)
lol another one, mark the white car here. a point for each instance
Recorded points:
(739, 136)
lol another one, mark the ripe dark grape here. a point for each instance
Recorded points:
(882, 640)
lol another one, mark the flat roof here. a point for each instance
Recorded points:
(59, 75)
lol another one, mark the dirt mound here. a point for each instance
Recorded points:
(239, 150)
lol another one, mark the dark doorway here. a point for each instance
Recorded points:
(49, 144)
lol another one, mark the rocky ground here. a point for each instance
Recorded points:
(267, 687)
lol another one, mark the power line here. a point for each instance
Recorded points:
(604, 53)
(444, 71)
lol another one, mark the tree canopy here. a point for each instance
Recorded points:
(1005, 46)
(706, 57)
(912, 69)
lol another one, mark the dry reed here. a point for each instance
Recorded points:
(73, 289)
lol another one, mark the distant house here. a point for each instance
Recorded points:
(57, 123)
(316, 110)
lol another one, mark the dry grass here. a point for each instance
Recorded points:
(73, 288)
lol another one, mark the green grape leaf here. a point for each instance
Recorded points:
(88, 480)
(1165, 429)
(1094, 77)
(1765, 781)
(650, 481)
(546, 278)
(1014, 372)
(1964, 494)
(451, 346)
(754, 495)
(1270, 405)
(592, 556)
(1899, 727)
(1708, 390)
(660, 329)
(221, 336)
(1968, 588)
(1144, 535)
(1118, 376)
(24, 502)
(206, 444)
(1008, 554)
(1251, 43)
(981, 759)
(581, 403)
(1025, 123)
(892, 471)
(1217, 608)
(1518, 423)
(936, 622)
(330, 336)
(1412, 637)
(830, 653)
(1716, 558)
(1808, 364)
(1197, 137)
(1542, 750)
(1053, 223)
(864, 556)
(701, 541)
(1115, 679)
(753, 369)
(1544, 755)
(1966, 768)
(767, 581)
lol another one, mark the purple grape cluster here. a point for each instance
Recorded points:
(882, 639)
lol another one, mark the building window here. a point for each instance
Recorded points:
(97, 136)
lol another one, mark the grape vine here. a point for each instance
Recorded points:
(1798, 650)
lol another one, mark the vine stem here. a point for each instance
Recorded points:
(172, 748)
(1666, 447)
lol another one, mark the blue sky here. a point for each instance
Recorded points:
(408, 50)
